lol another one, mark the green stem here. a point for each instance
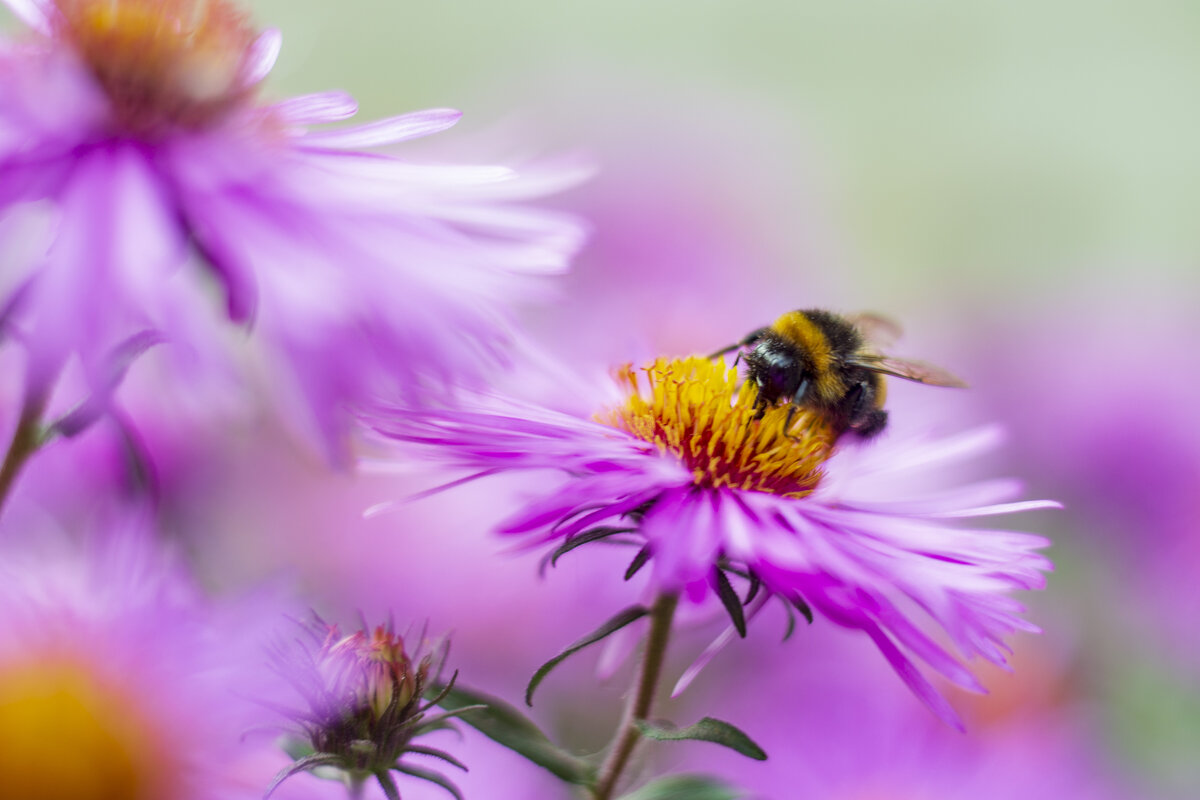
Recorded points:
(27, 438)
(642, 699)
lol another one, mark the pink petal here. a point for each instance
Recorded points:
(386, 131)
(262, 56)
(311, 109)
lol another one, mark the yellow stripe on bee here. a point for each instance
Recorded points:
(697, 410)
(797, 328)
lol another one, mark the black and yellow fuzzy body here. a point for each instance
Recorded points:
(826, 362)
(806, 358)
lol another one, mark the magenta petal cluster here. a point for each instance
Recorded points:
(872, 547)
(118, 679)
(173, 201)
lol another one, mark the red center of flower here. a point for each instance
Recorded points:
(162, 63)
(696, 409)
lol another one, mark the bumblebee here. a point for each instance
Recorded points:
(828, 362)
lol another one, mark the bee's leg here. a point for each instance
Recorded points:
(863, 417)
(873, 423)
(746, 341)
(793, 407)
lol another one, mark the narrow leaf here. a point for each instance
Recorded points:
(505, 724)
(431, 776)
(731, 601)
(613, 625)
(706, 730)
(638, 562)
(685, 787)
(437, 721)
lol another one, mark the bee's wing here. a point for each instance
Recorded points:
(877, 329)
(917, 371)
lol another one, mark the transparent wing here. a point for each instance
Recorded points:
(917, 371)
(876, 328)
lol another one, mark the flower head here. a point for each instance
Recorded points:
(117, 682)
(175, 198)
(364, 698)
(709, 485)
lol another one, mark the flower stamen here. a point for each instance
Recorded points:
(162, 63)
(695, 409)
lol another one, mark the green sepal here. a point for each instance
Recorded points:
(505, 724)
(706, 730)
(306, 764)
(585, 537)
(610, 627)
(638, 562)
(431, 776)
(390, 790)
(791, 621)
(798, 603)
(685, 787)
(731, 601)
(297, 747)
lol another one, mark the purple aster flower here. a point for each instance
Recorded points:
(707, 485)
(117, 680)
(134, 125)
(364, 702)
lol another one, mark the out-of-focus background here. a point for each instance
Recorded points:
(1016, 182)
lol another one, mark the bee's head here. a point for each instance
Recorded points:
(777, 367)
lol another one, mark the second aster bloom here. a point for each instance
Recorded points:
(689, 469)
(167, 195)
(364, 702)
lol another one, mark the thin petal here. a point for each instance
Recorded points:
(34, 13)
(312, 109)
(386, 131)
(261, 57)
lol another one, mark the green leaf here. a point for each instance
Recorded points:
(685, 787)
(505, 724)
(706, 730)
(638, 562)
(610, 627)
(731, 601)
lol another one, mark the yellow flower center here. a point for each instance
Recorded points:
(162, 63)
(696, 409)
(65, 736)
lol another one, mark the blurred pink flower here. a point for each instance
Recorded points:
(118, 680)
(687, 471)
(359, 273)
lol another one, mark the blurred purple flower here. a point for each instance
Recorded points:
(138, 121)
(118, 680)
(686, 470)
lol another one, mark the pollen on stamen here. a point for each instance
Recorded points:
(162, 63)
(697, 410)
